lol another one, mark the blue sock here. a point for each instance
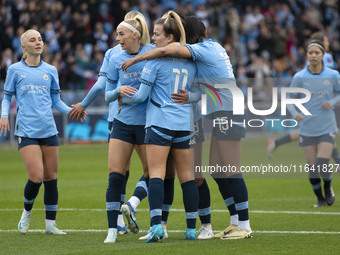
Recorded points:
(141, 190)
(51, 199)
(30, 193)
(315, 181)
(227, 194)
(123, 191)
(204, 210)
(282, 140)
(190, 200)
(113, 197)
(240, 195)
(156, 197)
(169, 187)
(323, 165)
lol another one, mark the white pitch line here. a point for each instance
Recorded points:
(178, 210)
(182, 231)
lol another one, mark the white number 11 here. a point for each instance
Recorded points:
(185, 78)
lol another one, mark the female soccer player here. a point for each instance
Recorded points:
(128, 124)
(97, 88)
(35, 85)
(214, 69)
(317, 131)
(168, 125)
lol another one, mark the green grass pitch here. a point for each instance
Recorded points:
(281, 209)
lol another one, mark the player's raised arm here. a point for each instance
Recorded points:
(173, 49)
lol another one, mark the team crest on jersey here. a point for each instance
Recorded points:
(326, 82)
(45, 76)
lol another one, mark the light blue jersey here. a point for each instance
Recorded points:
(36, 91)
(128, 114)
(166, 77)
(100, 85)
(322, 87)
(213, 69)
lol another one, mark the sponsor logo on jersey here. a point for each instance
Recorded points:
(37, 89)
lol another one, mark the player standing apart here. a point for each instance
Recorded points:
(35, 85)
(317, 131)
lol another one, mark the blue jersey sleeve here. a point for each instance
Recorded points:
(149, 73)
(104, 68)
(94, 92)
(58, 104)
(111, 91)
(140, 96)
(11, 80)
(198, 52)
(336, 99)
(55, 88)
(6, 103)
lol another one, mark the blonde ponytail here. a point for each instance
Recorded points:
(172, 24)
(139, 23)
(132, 14)
(178, 19)
(145, 37)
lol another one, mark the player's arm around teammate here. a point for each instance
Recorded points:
(168, 125)
(35, 85)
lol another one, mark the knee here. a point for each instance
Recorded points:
(36, 179)
(49, 176)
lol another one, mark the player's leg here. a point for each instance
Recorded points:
(230, 155)
(323, 155)
(32, 157)
(120, 221)
(156, 157)
(310, 152)
(169, 190)
(183, 163)
(50, 151)
(168, 196)
(119, 155)
(224, 188)
(273, 144)
(141, 191)
(204, 209)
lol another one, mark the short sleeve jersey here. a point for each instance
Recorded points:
(213, 69)
(133, 114)
(32, 87)
(166, 77)
(322, 87)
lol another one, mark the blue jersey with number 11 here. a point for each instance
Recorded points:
(167, 77)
